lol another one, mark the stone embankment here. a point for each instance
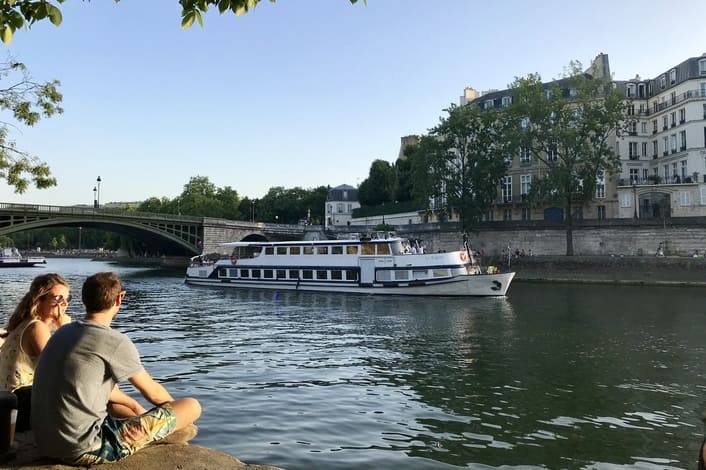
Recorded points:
(160, 456)
(635, 270)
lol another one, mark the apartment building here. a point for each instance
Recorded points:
(340, 202)
(663, 152)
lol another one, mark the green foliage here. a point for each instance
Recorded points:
(461, 162)
(389, 208)
(6, 242)
(379, 186)
(27, 101)
(571, 119)
(384, 228)
(201, 198)
(16, 14)
(289, 206)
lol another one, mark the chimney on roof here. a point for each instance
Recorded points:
(600, 67)
(406, 141)
(469, 94)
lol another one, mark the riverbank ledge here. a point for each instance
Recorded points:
(158, 456)
(628, 270)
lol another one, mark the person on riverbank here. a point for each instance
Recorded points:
(80, 416)
(41, 311)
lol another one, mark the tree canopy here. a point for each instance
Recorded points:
(461, 162)
(567, 125)
(16, 14)
(27, 101)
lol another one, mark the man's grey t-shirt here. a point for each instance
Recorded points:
(75, 374)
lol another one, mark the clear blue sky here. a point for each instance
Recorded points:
(300, 93)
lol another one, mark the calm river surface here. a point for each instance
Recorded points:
(553, 376)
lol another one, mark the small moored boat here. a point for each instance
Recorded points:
(12, 258)
(373, 265)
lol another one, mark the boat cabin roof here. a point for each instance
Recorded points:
(315, 242)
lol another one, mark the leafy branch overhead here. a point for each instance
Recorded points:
(16, 14)
(28, 101)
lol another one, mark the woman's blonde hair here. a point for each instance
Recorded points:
(27, 308)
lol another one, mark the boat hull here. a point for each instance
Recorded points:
(479, 285)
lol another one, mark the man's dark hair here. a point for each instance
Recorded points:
(100, 291)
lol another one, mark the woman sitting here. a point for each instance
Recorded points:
(41, 311)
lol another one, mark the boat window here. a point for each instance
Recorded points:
(244, 273)
(401, 275)
(294, 250)
(281, 274)
(256, 251)
(321, 274)
(233, 272)
(222, 272)
(352, 249)
(336, 250)
(308, 250)
(336, 275)
(441, 273)
(322, 250)
(383, 249)
(368, 249)
(281, 250)
(351, 275)
(256, 273)
(397, 248)
(267, 273)
(293, 274)
(307, 274)
(270, 250)
(419, 274)
(383, 275)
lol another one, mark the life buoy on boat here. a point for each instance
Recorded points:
(464, 256)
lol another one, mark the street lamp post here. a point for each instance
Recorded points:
(252, 210)
(95, 198)
(98, 192)
(79, 239)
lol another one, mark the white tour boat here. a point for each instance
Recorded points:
(376, 265)
(12, 258)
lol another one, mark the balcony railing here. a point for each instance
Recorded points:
(687, 95)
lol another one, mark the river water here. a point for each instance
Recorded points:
(553, 376)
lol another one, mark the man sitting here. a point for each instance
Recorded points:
(78, 413)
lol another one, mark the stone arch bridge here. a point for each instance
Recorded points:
(166, 234)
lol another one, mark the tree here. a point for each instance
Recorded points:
(17, 14)
(379, 187)
(28, 101)
(153, 204)
(462, 161)
(566, 125)
(404, 190)
(199, 198)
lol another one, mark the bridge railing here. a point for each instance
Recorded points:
(90, 211)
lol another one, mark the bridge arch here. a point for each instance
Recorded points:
(163, 242)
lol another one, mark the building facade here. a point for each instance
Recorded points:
(663, 152)
(340, 202)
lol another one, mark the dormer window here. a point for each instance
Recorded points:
(507, 101)
(630, 90)
(702, 67)
(673, 76)
(662, 81)
(489, 104)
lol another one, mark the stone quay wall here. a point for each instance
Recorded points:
(680, 238)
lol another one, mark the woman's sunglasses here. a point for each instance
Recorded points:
(60, 299)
